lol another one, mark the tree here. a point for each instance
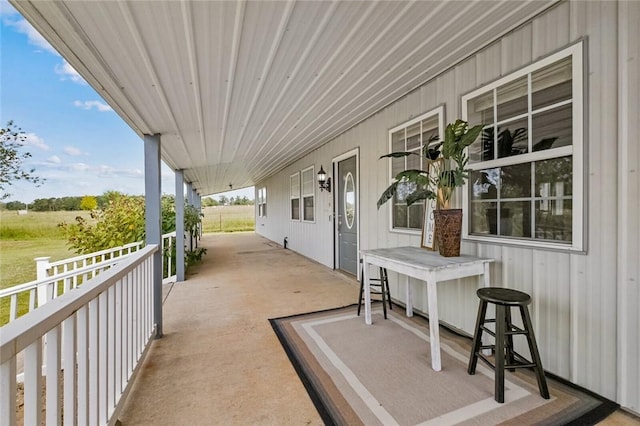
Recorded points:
(12, 140)
(121, 222)
(88, 202)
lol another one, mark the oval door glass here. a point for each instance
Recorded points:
(349, 200)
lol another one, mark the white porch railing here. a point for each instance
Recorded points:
(95, 336)
(56, 278)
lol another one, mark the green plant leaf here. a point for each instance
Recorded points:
(419, 195)
(397, 155)
(388, 194)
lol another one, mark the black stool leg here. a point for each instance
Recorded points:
(384, 294)
(477, 337)
(499, 356)
(385, 281)
(533, 348)
(509, 338)
(361, 291)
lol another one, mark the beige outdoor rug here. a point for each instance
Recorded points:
(381, 374)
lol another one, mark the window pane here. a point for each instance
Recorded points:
(515, 219)
(551, 84)
(397, 165)
(512, 139)
(308, 208)
(480, 109)
(483, 147)
(512, 99)
(413, 137)
(397, 141)
(416, 215)
(308, 181)
(429, 130)
(515, 181)
(484, 184)
(483, 218)
(413, 161)
(554, 222)
(552, 128)
(399, 215)
(295, 209)
(264, 210)
(554, 178)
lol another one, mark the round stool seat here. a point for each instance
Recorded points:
(503, 296)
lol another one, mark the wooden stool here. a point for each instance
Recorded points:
(505, 299)
(378, 286)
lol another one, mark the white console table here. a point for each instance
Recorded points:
(429, 267)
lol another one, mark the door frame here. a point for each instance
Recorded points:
(336, 241)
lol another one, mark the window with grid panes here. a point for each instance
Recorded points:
(294, 191)
(525, 183)
(411, 137)
(308, 194)
(262, 202)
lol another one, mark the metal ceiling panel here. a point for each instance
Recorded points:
(240, 89)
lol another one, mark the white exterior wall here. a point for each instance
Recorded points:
(585, 306)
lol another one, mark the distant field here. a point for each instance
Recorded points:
(228, 218)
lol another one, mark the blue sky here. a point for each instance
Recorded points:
(78, 143)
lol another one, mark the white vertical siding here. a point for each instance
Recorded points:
(629, 206)
(585, 305)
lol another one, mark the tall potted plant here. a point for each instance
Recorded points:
(446, 170)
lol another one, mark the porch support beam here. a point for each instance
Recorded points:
(189, 193)
(179, 225)
(153, 220)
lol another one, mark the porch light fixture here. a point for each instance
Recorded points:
(323, 180)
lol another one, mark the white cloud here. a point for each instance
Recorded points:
(31, 139)
(54, 159)
(109, 171)
(79, 167)
(12, 18)
(73, 151)
(66, 72)
(87, 105)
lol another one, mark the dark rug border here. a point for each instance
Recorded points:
(593, 416)
(324, 413)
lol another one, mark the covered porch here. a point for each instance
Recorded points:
(219, 361)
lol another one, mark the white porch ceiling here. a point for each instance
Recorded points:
(240, 89)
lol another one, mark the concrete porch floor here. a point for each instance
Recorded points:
(219, 361)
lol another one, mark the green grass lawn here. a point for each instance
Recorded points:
(228, 219)
(25, 237)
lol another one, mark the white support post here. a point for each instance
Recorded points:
(179, 225)
(153, 193)
(42, 265)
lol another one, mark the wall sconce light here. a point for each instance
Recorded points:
(323, 180)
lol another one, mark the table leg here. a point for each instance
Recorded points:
(409, 296)
(367, 291)
(434, 330)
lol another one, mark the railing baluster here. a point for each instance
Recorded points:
(53, 410)
(119, 336)
(13, 307)
(33, 383)
(8, 390)
(111, 347)
(69, 369)
(82, 318)
(103, 331)
(94, 356)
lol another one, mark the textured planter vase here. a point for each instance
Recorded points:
(448, 231)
